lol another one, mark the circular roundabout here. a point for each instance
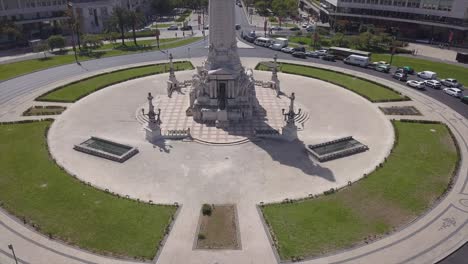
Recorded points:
(236, 170)
(231, 166)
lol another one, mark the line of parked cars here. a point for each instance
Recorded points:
(427, 78)
(281, 44)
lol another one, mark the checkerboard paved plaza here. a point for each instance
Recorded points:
(268, 115)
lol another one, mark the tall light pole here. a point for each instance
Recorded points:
(72, 26)
(13, 251)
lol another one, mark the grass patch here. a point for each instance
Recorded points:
(373, 91)
(36, 190)
(76, 90)
(417, 172)
(44, 110)
(218, 229)
(443, 70)
(16, 69)
(130, 43)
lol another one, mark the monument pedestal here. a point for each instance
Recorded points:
(222, 119)
(289, 132)
(153, 133)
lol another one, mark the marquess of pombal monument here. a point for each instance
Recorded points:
(223, 90)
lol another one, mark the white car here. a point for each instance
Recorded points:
(416, 84)
(453, 92)
(428, 75)
(433, 84)
(287, 50)
(276, 46)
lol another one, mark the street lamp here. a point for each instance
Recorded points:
(13, 251)
(72, 26)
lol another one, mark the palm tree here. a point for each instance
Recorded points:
(136, 19)
(118, 21)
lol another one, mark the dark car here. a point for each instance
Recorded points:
(186, 28)
(464, 99)
(405, 70)
(250, 37)
(383, 68)
(299, 49)
(294, 29)
(299, 54)
(400, 76)
(328, 57)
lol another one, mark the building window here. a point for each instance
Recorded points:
(90, 11)
(414, 3)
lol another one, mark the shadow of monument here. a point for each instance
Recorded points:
(292, 154)
(162, 145)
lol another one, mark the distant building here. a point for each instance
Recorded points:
(426, 20)
(42, 18)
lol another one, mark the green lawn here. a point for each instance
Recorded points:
(443, 70)
(130, 43)
(77, 90)
(15, 69)
(33, 187)
(372, 91)
(416, 173)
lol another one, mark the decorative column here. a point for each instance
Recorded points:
(153, 129)
(274, 76)
(289, 131)
(172, 83)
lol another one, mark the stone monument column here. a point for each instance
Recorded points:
(223, 43)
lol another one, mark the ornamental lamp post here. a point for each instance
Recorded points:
(72, 26)
(10, 246)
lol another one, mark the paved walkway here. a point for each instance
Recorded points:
(426, 240)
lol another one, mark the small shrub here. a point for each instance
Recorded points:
(206, 209)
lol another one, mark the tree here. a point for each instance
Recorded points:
(92, 41)
(162, 7)
(365, 39)
(337, 39)
(11, 30)
(118, 21)
(56, 42)
(284, 8)
(262, 8)
(43, 47)
(136, 19)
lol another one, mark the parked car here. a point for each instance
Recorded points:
(449, 82)
(250, 37)
(277, 28)
(433, 84)
(400, 76)
(464, 99)
(405, 69)
(299, 54)
(276, 46)
(173, 27)
(328, 57)
(383, 68)
(287, 50)
(453, 92)
(416, 84)
(321, 52)
(375, 64)
(187, 27)
(428, 75)
(357, 60)
(294, 29)
(310, 28)
(305, 25)
(300, 49)
(312, 54)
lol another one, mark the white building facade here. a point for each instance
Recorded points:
(431, 20)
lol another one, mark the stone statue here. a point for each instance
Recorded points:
(274, 76)
(153, 129)
(289, 131)
(172, 84)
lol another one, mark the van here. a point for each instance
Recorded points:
(428, 75)
(264, 42)
(357, 60)
(282, 41)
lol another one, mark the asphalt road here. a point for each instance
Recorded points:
(13, 88)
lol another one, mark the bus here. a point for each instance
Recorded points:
(342, 53)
